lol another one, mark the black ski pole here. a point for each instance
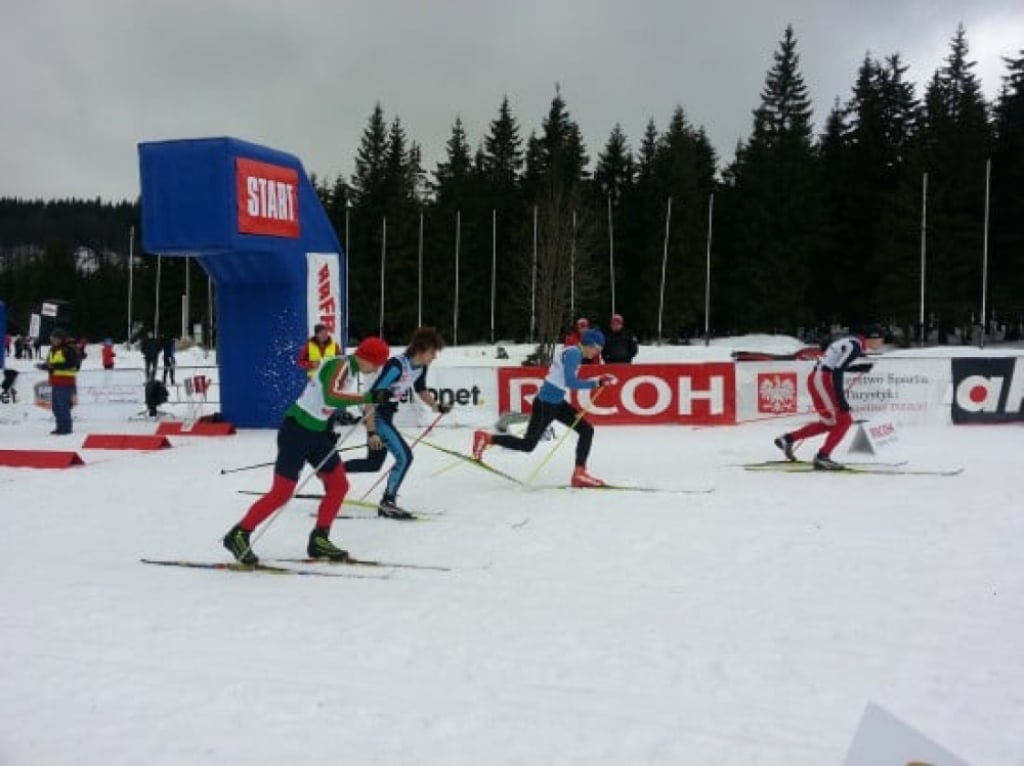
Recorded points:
(264, 465)
(245, 468)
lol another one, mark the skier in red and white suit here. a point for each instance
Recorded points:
(825, 384)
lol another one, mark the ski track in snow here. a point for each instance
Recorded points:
(746, 626)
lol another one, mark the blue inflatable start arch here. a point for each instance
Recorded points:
(252, 219)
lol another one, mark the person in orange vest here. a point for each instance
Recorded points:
(107, 353)
(62, 365)
(319, 348)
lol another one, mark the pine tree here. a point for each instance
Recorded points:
(956, 144)
(612, 188)
(502, 167)
(503, 150)
(1006, 248)
(370, 159)
(774, 206)
(616, 170)
(456, 215)
(683, 174)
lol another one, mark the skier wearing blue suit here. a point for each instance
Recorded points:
(402, 374)
(550, 404)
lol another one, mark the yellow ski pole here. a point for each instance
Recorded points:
(412, 446)
(584, 411)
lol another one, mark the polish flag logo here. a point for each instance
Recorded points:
(776, 392)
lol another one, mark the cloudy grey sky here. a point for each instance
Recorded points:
(85, 80)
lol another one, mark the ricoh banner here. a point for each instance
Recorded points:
(910, 391)
(646, 394)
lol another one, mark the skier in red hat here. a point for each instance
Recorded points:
(305, 437)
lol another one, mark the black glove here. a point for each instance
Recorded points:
(444, 407)
(345, 418)
(42, 366)
(860, 367)
(382, 396)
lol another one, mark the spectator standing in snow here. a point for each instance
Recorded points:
(107, 354)
(62, 365)
(150, 354)
(576, 332)
(319, 347)
(620, 346)
(169, 361)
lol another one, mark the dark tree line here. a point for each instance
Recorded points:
(807, 230)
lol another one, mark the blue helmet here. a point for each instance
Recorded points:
(593, 338)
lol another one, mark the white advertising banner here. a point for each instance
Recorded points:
(883, 739)
(906, 391)
(323, 293)
(472, 390)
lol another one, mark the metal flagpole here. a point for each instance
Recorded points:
(533, 280)
(707, 275)
(209, 311)
(131, 279)
(419, 278)
(184, 308)
(924, 219)
(348, 309)
(156, 310)
(984, 257)
(494, 264)
(664, 267)
(572, 269)
(611, 251)
(455, 307)
(383, 254)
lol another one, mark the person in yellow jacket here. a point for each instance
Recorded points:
(318, 349)
(62, 364)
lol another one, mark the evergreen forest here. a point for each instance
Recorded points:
(805, 229)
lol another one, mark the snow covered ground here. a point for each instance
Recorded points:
(749, 625)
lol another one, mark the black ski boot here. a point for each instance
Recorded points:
(785, 443)
(321, 547)
(237, 543)
(390, 510)
(823, 462)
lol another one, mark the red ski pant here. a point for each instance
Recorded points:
(835, 416)
(296, 446)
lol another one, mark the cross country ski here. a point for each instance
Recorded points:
(234, 566)
(801, 466)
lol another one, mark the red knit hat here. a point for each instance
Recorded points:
(373, 350)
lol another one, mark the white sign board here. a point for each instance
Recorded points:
(872, 437)
(882, 739)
